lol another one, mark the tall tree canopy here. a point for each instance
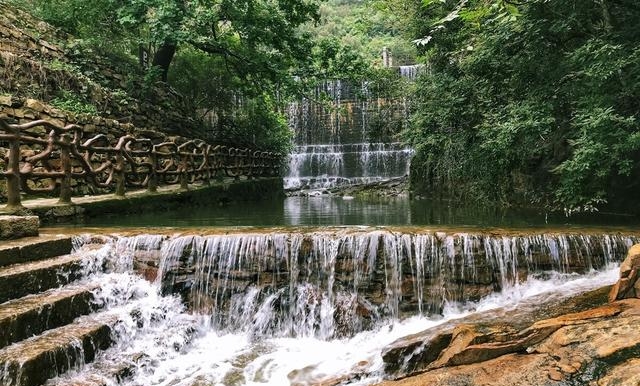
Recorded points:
(231, 58)
(254, 36)
(534, 101)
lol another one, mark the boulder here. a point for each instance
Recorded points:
(598, 347)
(629, 271)
(632, 261)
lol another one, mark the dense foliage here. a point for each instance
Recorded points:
(529, 102)
(237, 62)
(365, 27)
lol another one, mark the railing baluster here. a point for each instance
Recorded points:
(152, 158)
(65, 161)
(13, 167)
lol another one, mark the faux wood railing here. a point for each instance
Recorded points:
(49, 161)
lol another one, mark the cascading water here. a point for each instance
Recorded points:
(412, 72)
(345, 144)
(304, 308)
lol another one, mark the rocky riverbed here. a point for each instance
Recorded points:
(598, 346)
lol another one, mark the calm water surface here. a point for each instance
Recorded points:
(337, 211)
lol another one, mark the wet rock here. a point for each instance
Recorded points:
(624, 374)
(34, 361)
(26, 317)
(63, 213)
(507, 370)
(33, 248)
(629, 272)
(414, 353)
(632, 261)
(599, 346)
(555, 374)
(29, 278)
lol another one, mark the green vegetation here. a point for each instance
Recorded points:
(364, 28)
(235, 63)
(74, 103)
(231, 58)
(531, 102)
(534, 102)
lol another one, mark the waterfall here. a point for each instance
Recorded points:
(347, 143)
(334, 284)
(294, 307)
(412, 72)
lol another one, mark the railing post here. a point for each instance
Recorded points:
(120, 174)
(13, 167)
(236, 164)
(153, 174)
(65, 160)
(184, 180)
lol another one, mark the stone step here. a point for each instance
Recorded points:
(15, 227)
(20, 280)
(31, 315)
(34, 361)
(98, 374)
(34, 248)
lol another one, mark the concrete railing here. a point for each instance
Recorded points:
(44, 158)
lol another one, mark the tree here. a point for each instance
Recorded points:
(255, 37)
(530, 102)
(232, 59)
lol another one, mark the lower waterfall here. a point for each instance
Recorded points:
(313, 308)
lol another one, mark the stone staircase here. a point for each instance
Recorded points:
(49, 322)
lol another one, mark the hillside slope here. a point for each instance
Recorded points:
(46, 74)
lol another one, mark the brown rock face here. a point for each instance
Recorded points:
(595, 347)
(629, 271)
(632, 261)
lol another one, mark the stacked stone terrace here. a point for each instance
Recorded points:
(37, 62)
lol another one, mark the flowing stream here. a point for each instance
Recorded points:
(279, 308)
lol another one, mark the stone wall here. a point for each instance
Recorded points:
(23, 110)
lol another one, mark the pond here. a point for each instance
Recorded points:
(339, 211)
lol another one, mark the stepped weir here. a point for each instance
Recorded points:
(238, 308)
(349, 142)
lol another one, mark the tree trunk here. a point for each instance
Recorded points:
(163, 58)
(606, 16)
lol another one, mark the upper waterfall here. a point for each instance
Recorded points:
(348, 140)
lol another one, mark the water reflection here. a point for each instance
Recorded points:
(337, 211)
(340, 211)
